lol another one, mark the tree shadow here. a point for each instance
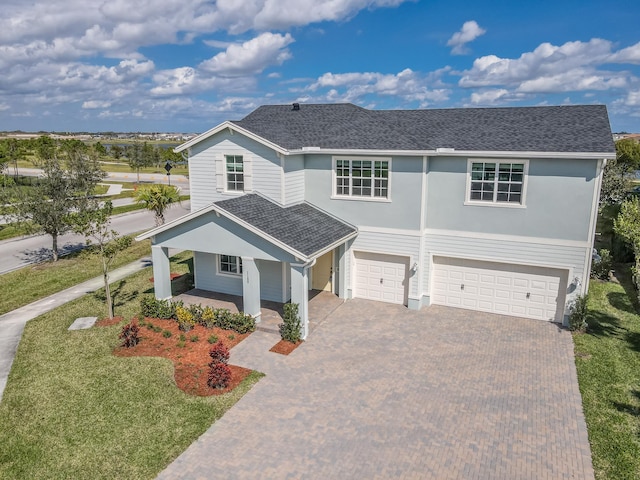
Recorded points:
(627, 408)
(119, 297)
(601, 324)
(622, 274)
(621, 301)
(45, 254)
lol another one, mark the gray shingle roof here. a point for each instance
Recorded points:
(570, 128)
(302, 227)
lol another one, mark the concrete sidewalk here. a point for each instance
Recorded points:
(12, 323)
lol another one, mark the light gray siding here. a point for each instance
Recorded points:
(207, 278)
(389, 243)
(403, 211)
(270, 280)
(294, 179)
(206, 184)
(559, 198)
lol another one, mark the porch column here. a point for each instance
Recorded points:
(251, 287)
(300, 294)
(161, 272)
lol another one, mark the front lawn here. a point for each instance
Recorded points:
(34, 282)
(73, 410)
(608, 365)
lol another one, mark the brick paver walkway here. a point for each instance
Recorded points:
(379, 391)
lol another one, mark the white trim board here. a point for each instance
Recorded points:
(507, 238)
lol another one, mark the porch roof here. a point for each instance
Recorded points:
(301, 229)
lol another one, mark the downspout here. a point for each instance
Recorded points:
(592, 227)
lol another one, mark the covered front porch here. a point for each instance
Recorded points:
(255, 254)
(321, 305)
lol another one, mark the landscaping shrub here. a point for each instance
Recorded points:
(291, 328)
(154, 308)
(219, 372)
(578, 314)
(212, 339)
(238, 322)
(194, 338)
(219, 375)
(219, 353)
(185, 318)
(166, 334)
(208, 317)
(602, 269)
(196, 310)
(130, 335)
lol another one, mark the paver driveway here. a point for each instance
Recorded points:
(379, 391)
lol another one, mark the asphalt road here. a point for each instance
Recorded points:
(19, 252)
(177, 180)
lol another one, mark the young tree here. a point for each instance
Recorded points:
(67, 182)
(136, 158)
(95, 224)
(628, 154)
(614, 184)
(157, 198)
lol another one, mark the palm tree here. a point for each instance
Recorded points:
(157, 198)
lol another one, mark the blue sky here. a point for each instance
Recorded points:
(187, 65)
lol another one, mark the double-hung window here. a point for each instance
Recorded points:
(230, 264)
(362, 178)
(497, 182)
(235, 173)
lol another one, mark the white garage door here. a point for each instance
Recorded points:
(381, 277)
(519, 290)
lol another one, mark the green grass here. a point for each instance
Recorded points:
(608, 365)
(12, 231)
(31, 283)
(72, 410)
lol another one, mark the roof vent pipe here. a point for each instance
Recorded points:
(296, 107)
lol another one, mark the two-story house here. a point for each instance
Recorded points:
(490, 209)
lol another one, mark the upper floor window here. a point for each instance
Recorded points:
(362, 178)
(497, 182)
(230, 264)
(235, 172)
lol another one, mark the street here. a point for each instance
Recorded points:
(19, 252)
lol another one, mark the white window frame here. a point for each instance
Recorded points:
(350, 196)
(238, 264)
(494, 202)
(226, 173)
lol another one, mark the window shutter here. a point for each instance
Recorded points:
(220, 172)
(248, 173)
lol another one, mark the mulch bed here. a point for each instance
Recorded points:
(285, 347)
(172, 276)
(191, 360)
(107, 322)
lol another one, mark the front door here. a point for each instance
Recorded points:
(321, 273)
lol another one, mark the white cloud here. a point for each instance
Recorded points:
(572, 66)
(352, 87)
(91, 104)
(251, 57)
(469, 32)
(489, 97)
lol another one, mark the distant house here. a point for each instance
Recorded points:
(484, 209)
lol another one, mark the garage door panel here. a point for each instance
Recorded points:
(532, 292)
(384, 277)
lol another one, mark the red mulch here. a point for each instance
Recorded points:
(107, 322)
(173, 276)
(190, 361)
(285, 347)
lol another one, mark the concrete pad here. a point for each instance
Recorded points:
(83, 323)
